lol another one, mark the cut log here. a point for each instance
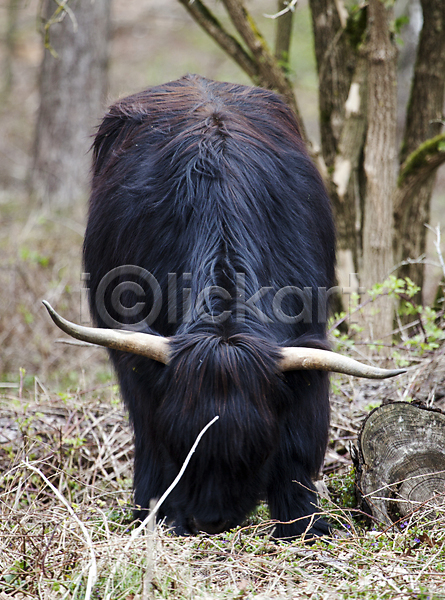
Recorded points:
(400, 460)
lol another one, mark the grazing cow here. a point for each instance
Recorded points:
(210, 232)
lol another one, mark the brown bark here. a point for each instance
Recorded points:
(379, 165)
(422, 122)
(72, 90)
(341, 128)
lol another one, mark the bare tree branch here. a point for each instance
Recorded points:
(261, 66)
(429, 155)
(270, 73)
(202, 15)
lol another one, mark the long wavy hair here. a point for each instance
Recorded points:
(208, 188)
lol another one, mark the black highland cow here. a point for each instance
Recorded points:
(213, 180)
(210, 232)
(210, 182)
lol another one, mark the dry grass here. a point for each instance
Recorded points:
(41, 259)
(65, 502)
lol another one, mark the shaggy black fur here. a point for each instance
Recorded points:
(210, 182)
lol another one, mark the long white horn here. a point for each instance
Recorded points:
(157, 348)
(151, 346)
(294, 359)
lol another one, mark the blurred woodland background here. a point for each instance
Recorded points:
(57, 80)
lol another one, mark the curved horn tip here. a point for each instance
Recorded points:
(52, 313)
(48, 307)
(394, 372)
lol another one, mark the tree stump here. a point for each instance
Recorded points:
(400, 460)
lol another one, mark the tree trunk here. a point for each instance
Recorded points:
(379, 166)
(423, 121)
(9, 44)
(346, 197)
(72, 89)
(283, 35)
(341, 71)
(400, 461)
(335, 66)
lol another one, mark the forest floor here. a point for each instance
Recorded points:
(65, 503)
